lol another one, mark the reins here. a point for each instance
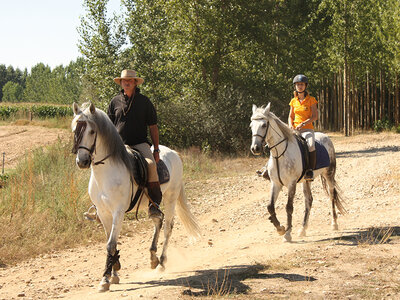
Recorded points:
(274, 146)
(263, 137)
(79, 130)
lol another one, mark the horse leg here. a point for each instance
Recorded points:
(308, 200)
(112, 253)
(289, 212)
(169, 224)
(153, 249)
(275, 189)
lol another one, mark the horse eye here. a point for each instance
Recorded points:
(264, 125)
(91, 131)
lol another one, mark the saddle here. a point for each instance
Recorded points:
(140, 174)
(141, 166)
(323, 160)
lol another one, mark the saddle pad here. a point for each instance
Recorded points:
(163, 173)
(323, 160)
(322, 156)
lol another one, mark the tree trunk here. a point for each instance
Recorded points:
(346, 101)
(368, 105)
(396, 101)
(335, 104)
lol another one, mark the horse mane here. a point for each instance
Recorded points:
(114, 145)
(286, 130)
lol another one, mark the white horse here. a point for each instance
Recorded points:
(285, 167)
(99, 146)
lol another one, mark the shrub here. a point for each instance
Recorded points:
(381, 125)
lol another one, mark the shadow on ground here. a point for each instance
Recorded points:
(367, 236)
(372, 151)
(223, 281)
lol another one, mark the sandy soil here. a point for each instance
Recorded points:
(16, 141)
(240, 253)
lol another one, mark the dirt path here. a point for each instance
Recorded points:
(15, 141)
(240, 253)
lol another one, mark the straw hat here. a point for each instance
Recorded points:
(129, 74)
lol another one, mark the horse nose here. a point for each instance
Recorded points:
(83, 163)
(255, 149)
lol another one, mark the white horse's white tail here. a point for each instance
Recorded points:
(186, 216)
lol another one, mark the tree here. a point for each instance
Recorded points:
(12, 92)
(101, 42)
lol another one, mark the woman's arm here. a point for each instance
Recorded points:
(291, 118)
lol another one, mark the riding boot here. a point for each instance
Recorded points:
(263, 172)
(155, 194)
(312, 161)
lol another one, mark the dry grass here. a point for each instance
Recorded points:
(42, 203)
(41, 206)
(202, 166)
(374, 236)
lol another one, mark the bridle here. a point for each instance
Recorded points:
(79, 130)
(263, 137)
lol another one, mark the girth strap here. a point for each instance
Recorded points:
(277, 169)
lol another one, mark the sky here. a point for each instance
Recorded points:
(41, 31)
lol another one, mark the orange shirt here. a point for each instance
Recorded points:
(302, 111)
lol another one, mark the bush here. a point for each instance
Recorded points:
(3, 179)
(381, 125)
(42, 111)
(51, 111)
(7, 111)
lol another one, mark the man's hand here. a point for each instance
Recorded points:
(156, 154)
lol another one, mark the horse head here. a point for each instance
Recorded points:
(85, 135)
(259, 127)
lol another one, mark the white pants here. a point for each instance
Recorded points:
(309, 136)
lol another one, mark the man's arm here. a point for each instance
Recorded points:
(155, 140)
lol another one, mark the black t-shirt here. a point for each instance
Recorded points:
(131, 117)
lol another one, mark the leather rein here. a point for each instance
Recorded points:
(263, 137)
(274, 146)
(79, 130)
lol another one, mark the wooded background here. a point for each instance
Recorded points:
(205, 62)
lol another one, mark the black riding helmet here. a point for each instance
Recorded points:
(300, 78)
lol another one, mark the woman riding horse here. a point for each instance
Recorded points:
(303, 111)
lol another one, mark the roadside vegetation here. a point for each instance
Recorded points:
(43, 199)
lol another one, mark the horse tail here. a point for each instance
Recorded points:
(338, 198)
(186, 216)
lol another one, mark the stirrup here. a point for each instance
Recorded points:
(91, 214)
(309, 175)
(155, 212)
(263, 172)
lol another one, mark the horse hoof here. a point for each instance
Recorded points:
(114, 279)
(287, 238)
(160, 268)
(335, 227)
(154, 263)
(281, 230)
(104, 286)
(302, 233)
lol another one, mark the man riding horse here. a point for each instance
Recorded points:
(132, 113)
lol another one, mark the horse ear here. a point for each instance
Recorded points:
(254, 108)
(92, 108)
(267, 109)
(76, 109)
